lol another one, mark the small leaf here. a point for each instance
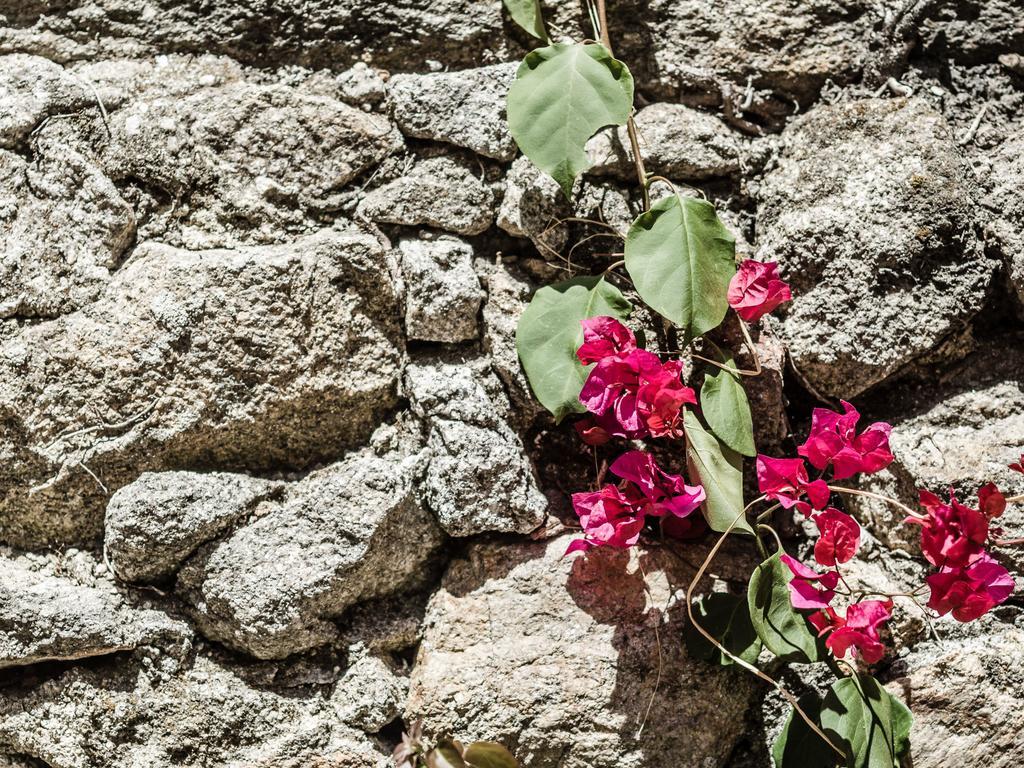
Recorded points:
(526, 13)
(681, 258)
(489, 754)
(445, 755)
(783, 630)
(720, 470)
(727, 619)
(724, 403)
(797, 746)
(549, 333)
(564, 94)
(902, 721)
(862, 718)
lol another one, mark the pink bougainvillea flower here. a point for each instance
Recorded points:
(756, 289)
(991, 502)
(608, 518)
(604, 337)
(859, 629)
(663, 493)
(839, 539)
(833, 439)
(660, 400)
(972, 591)
(1018, 466)
(593, 431)
(952, 535)
(684, 528)
(785, 481)
(613, 384)
(808, 588)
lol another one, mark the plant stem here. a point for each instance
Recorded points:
(879, 497)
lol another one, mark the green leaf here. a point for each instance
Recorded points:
(681, 258)
(489, 754)
(797, 746)
(783, 630)
(526, 13)
(864, 720)
(549, 333)
(563, 94)
(724, 403)
(720, 471)
(445, 755)
(902, 721)
(727, 619)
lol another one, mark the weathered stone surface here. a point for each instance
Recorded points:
(47, 618)
(965, 696)
(678, 142)
(32, 89)
(209, 358)
(346, 533)
(557, 657)
(465, 108)
(155, 523)
(146, 712)
(443, 192)
(442, 292)
(478, 478)
(870, 215)
(1002, 177)
(372, 691)
(63, 230)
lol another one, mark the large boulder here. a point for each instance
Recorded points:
(870, 213)
(189, 359)
(558, 657)
(347, 533)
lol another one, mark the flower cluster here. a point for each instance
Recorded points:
(615, 515)
(629, 392)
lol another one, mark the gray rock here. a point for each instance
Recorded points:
(1002, 177)
(32, 89)
(155, 523)
(557, 658)
(346, 533)
(443, 293)
(49, 618)
(146, 712)
(465, 108)
(212, 358)
(63, 230)
(479, 478)
(443, 192)
(870, 214)
(362, 86)
(371, 693)
(677, 142)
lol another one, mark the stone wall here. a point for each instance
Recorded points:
(272, 483)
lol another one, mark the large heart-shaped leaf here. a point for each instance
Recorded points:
(726, 618)
(681, 257)
(564, 94)
(526, 13)
(549, 333)
(489, 754)
(720, 470)
(727, 410)
(797, 746)
(862, 718)
(783, 630)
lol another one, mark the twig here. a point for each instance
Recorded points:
(879, 497)
(969, 136)
(657, 640)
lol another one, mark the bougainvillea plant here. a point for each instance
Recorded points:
(584, 361)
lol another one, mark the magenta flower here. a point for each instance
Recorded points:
(785, 481)
(661, 398)
(1018, 466)
(952, 535)
(664, 494)
(613, 384)
(859, 629)
(970, 592)
(608, 518)
(756, 289)
(808, 588)
(839, 539)
(834, 440)
(991, 501)
(604, 337)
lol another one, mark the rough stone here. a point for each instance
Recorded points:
(557, 658)
(371, 693)
(64, 229)
(465, 108)
(346, 533)
(870, 214)
(49, 618)
(443, 293)
(1002, 178)
(678, 142)
(443, 192)
(155, 523)
(362, 86)
(32, 89)
(212, 359)
(479, 478)
(147, 712)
